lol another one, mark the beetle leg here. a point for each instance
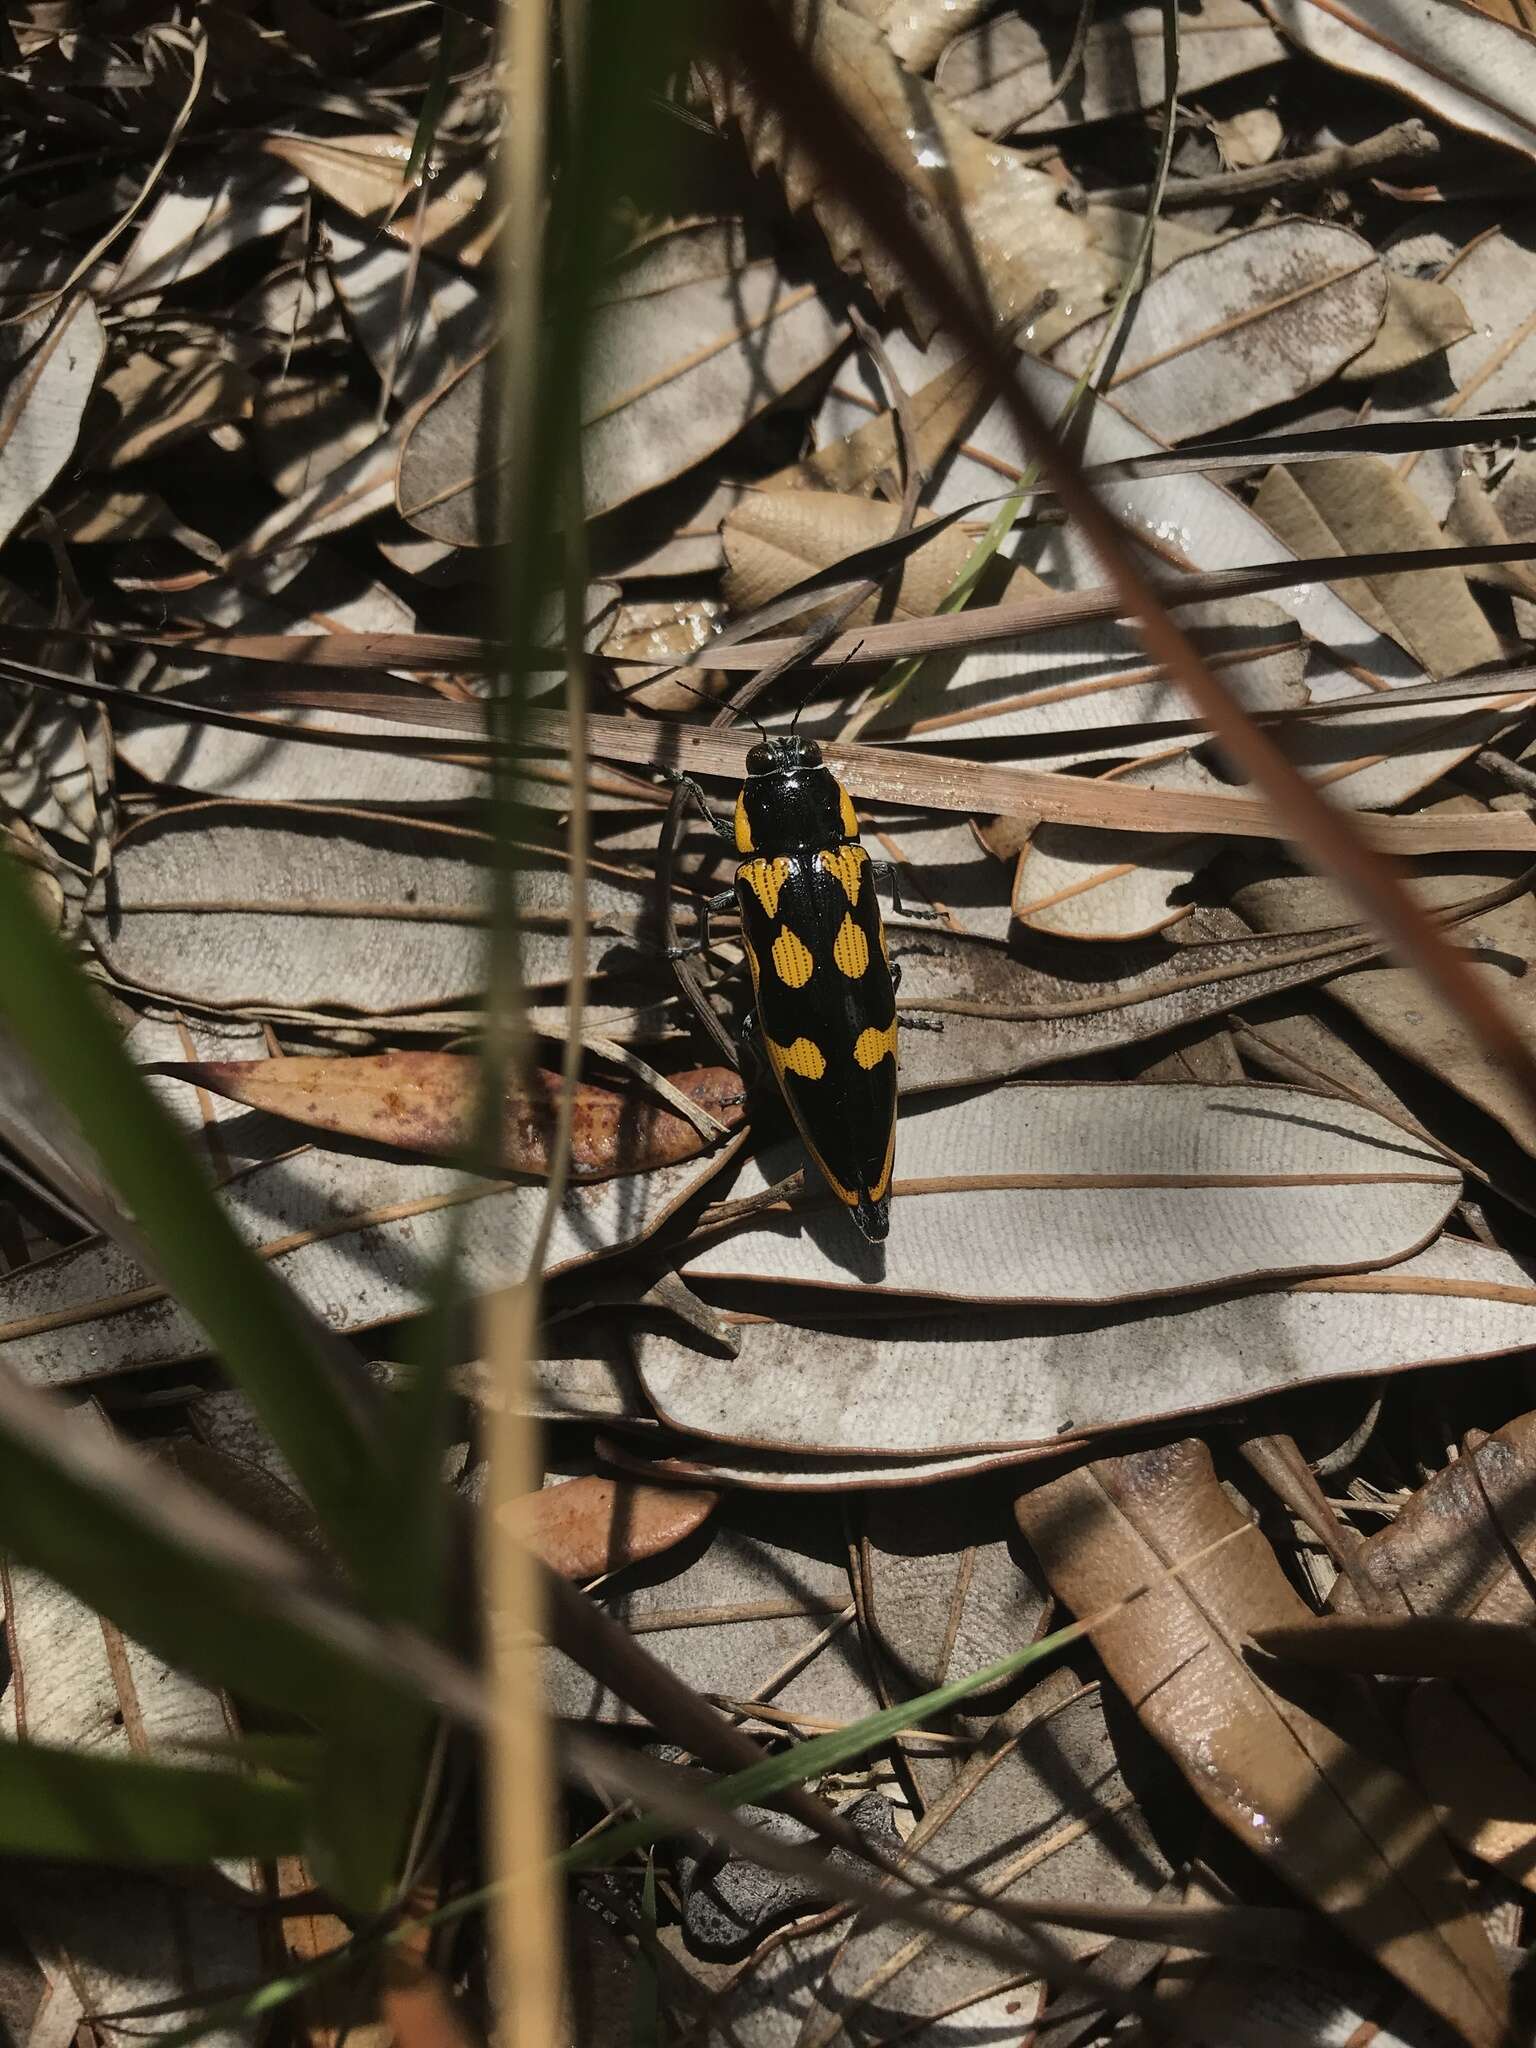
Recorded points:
(887, 871)
(689, 787)
(724, 901)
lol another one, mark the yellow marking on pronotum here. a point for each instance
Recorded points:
(872, 1045)
(803, 1058)
(847, 863)
(795, 962)
(850, 949)
(743, 826)
(882, 1186)
(765, 878)
(850, 816)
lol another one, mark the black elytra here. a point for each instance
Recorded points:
(821, 975)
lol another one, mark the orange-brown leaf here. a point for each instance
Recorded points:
(588, 1526)
(425, 1102)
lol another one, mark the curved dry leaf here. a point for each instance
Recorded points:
(1423, 318)
(1358, 504)
(672, 371)
(999, 77)
(917, 30)
(700, 1462)
(417, 319)
(41, 408)
(1453, 58)
(758, 1609)
(1258, 320)
(357, 1237)
(1068, 1192)
(933, 1386)
(1187, 520)
(1494, 276)
(345, 912)
(1043, 1811)
(585, 1527)
(366, 175)
(210, 214)
(1452, 1550)
(429, 1102)
(982, 1013)
(1393, 1003)
(983, 204)
(1347, 1831)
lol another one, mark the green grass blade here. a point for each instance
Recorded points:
(62, 1804)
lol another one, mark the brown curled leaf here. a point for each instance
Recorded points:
(425, 1102)
(588, 1526)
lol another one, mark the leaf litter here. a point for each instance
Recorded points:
(1185, 1161)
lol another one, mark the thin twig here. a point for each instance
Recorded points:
(1405, 145)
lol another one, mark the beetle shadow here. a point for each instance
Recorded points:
(835, 1234)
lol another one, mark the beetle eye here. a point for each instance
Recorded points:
(763, 758)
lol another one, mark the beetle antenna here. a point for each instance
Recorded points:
(810, 682)
(715, 703)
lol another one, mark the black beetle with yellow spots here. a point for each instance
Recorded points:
(821, 975)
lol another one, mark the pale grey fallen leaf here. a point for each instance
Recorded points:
(208, 214)
(1422, 319)
(41, 407)
(1494, 276)
(749, 1609)
(1259, 320)
(77, 1682)
(731, 1904)
(349, 913)
(416, 339)
(672, 372)
(358, 1237)
(1187, 519)
(1085, 1192)
(1460, 62)
(1044, 1811)
(1000, 75)
(208, 760)
(947, 1386)
(106, 1942)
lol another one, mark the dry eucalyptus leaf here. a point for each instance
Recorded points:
(1422, 319)
(1394, 1003)
(366, 175)
(930, 1385)
(1494, 276)
(429, 1102)
(1000, 76)
(357, 1237)
(1300, 1787)
(341, 912)
(1043, 1812)
(41, 406)
(1187, 520)
(1357, 504)
(417, 318)
(1252, 137)
(1455, 59)
(211, 213)
(752, 1610)
(585, 1527)
(1068, 1192)
(676, 363)
(918, 30)
(1258, 320)
(973, 196)
(1463, 1545)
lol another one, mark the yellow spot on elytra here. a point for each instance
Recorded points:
(847, 863)
(882, 1186)
(803, 1058)
(850, 949)
(872, 1045)
(849, 815)
(795, 961)
(765, 878)
(743, 825)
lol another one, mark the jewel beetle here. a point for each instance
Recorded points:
(823, 986)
